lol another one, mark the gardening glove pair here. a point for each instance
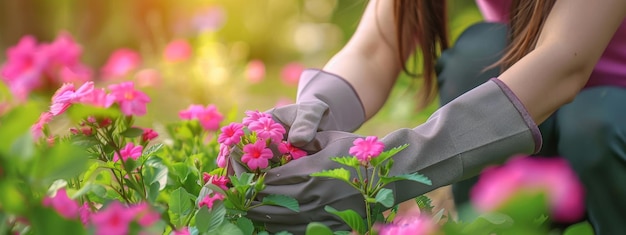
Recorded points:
(324, 101)
(482, 127)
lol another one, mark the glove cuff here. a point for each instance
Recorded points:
(346, 111)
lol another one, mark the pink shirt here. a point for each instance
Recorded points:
(610, 69)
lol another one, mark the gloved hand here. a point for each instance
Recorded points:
(484, 126)
(324, 102)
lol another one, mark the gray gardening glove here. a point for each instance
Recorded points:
(324, 101)
(482, 127)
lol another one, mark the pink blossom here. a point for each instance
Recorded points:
(144, 214)
(231, 134)
(24, 67)
(98, 98)
(66, 95)
(63, 56)
(112, 220)
(177, 50)
(255, 71)
(65, 206)
(256, 155)
(148, 135)
(182, 231)
(253, 116)
(552, 176)
(208, 117)
(267, 128)
(208, 200)
(223, 156)
(217, 180)
(291, 73)
(366, 149)
(85, 212)
(37, 128)
(129, 151)
(418, 225)
(131, 101)
(120, 63)
(293, 151)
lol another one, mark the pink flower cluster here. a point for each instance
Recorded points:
(114, 219)
(552, 176)
(31, 66)
(366, 148)
(263, 132)
(209, 117)
(130, 101)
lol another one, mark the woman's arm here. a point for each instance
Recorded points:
(369, 61)
(572, 40)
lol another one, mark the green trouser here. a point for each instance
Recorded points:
(589, 132)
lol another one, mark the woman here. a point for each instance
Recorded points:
(555, 46)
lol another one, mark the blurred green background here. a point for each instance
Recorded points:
(225, 36)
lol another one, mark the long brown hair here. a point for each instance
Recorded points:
(425, 22)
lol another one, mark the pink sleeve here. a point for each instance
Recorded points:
(494, 10)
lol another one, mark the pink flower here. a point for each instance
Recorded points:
(231, 134)
(223, 156)
(291, 73)
(217, 180)
(98, 98)
(366, 149)
(208, 117)
(182, 231)
(24, 67)
(63, 60)
(66, 95)
(286, 148)
(114, 219)
(177, 50)
(407, 225)
(148, 135)
(84, 212)
(253, 116)
(65, 206)
(37, 128)
(256, 155)
(255, 71)
(144, 214)
(552, 176)
(131, 101)
(120, 63)
(267, 128)
(129, 151)
(208, 200)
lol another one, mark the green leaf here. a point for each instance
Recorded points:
(282, 200)
(350, 217)
(226, 228)
(153, 191)
(338, 173)
(62, 161)
(23, 147)
(79, 112)
(582, 228)
(16, 123)
(348, 161)
(132, 132)
(181, 171)
(412, 177)
(316, 228)
(44, 220)
(155, 171)
(97, 189)
(385, 197)
(209, 220)
(246, 225)
(487, 223)
(153, 149)
(180, 206)
(424, 203)
(283, 233)
(387, 154)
